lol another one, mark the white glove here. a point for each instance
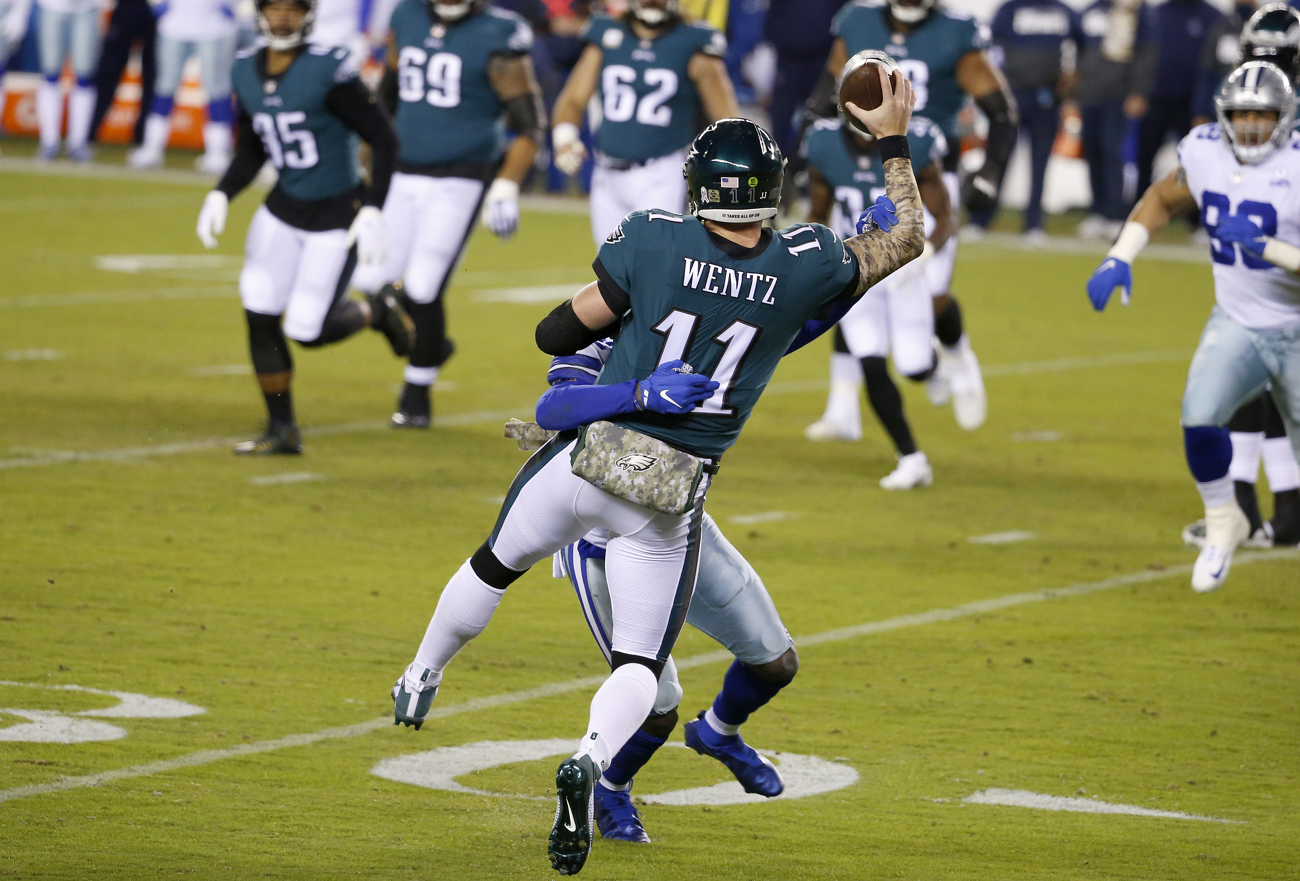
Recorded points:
(566, 144)
(14, 26)
(212, 218)
(370, 235)
(501, 208)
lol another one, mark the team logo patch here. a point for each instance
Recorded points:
(611, 39)
(636, 462)
(268, 86)
(704, 195)
(616, 236)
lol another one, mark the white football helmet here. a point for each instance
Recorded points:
(1256, 85)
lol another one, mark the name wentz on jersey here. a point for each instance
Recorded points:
(728, 311)
(1250, 290)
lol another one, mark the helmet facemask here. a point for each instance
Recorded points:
(910, 13)
(454, 12)
(1258, 86)
(654, 16)
(287, 42)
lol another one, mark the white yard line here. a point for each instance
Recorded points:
(281, 479)
(1001, 538)
(483, 704)
(1020, 798)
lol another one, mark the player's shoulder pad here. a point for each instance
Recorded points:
(603, 31)
(706, 38)
(1200, 139)
(515, 31)
(829, 249)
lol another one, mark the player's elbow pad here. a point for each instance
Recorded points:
(1004, 120)
(526, 117)
(563, 333)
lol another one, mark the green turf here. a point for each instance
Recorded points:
(289, 609)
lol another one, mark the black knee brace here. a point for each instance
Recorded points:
(618, 659)
(493, 572)
(266, 343)
(948, 324)
(431, 344)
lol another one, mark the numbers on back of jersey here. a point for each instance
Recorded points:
(919, 73)
(286, 146)
(678, 330)
(1216, 207)
(434, 79)
(621, 104)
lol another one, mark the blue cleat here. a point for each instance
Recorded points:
(755, 773)
(411, 698)
(617, 818)
(571, 833)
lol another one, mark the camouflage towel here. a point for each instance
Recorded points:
(528, 435)
(636, 467)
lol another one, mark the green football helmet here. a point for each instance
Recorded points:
(734, 172)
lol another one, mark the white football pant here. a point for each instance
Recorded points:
(616, 193)
(894, 317)
(939, 268)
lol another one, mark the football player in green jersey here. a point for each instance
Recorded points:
(713, 289)
(454, 70)
(302, 109)
(656, 75)
(945, 54)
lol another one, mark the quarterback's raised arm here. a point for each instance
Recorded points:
(880, 253)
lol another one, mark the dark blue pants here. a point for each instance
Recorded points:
(131, 21)
(1164, 117)
(796, 77)
(1103, 149)
(1040, 118)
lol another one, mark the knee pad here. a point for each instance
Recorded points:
(267, 345)
(493, 572)
(618, 659)
(1209, 451)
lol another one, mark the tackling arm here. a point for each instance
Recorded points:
(709, 73)
(979, 78)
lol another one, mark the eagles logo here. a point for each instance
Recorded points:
(616, 236)
(636, 462)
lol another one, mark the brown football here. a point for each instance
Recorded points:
(861, 85)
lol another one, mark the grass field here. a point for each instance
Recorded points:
(284, 596)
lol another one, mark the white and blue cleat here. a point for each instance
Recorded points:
(755, 773)
(412, 697)
(617, 818)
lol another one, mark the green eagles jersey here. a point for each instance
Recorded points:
(857, 178)
(729, 317)
(649, 104)
(927, 55)
(446, 110)
(311, 148)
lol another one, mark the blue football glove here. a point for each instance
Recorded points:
(1112, 273)
(1243, 232)
(673, 389)
(879, 216)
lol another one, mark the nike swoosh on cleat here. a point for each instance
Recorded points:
(571, 825)
(664, 395)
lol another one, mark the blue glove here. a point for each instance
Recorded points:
(1112, 273)
(673, 389)
(879, 216)
(1241, 231)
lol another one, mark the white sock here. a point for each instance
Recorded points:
(49, 113)
(81, 107)
(157, 129)
(842, 405)
(1245, 455)
(617, 711)
(615, 787)
(712, 720)
(216, 139)
(464, 610)
(1216, 493)
(421, 375)
(962, 345)
(1280, 465)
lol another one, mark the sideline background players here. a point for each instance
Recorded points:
(656, 75)
(453, 69)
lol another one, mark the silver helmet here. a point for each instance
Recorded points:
(1273, 34)
(1256, 85)
(863, 57)
(454, 12)
(910, 13)
(293, 40)
(653, 16)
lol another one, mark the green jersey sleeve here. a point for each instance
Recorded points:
(616, 261)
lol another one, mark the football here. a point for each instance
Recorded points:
(860, 84)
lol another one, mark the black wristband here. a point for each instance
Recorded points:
(894, 147)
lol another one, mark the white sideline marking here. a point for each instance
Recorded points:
(1036, 437)
(765, 517)
(221, 370)
(554, 689)
(291, 477)
(33, 355)
(1019, 798)
(1002, 538)
(137, 263)
(550, 293)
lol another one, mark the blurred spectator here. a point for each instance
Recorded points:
(132, 22)
(342, 23)
(800, 31)
(68, 30)
(1180, 30)
(1115, 68)
(744, 32)
(1218, 57)
(1031, 36)
(186, 27)
(14, 15)
(715, 12)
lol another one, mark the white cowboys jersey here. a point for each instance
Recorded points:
(198, 20)
(1251, 291)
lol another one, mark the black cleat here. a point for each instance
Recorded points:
(414, 408)
(570, 843)
(278, 440)
(389, 318)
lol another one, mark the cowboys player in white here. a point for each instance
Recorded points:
(454, 69)
(656, 75)
(1243, 172)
